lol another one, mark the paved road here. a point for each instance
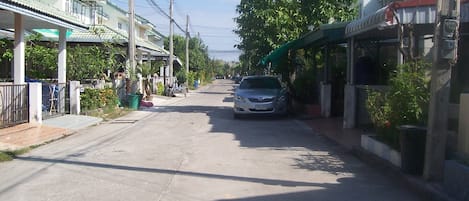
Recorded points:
(194, 150)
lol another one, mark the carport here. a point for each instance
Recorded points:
(325, 38)
(21, 16)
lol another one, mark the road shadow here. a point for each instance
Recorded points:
(274, 182)
(275, 133)
(335, 192)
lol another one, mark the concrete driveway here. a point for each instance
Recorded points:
(191, 150)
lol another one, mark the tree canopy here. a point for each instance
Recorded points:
(264, 25)
(198, 52)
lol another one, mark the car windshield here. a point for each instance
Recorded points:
(260, 83)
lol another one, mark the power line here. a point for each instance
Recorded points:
(212, 27)
(155, 5)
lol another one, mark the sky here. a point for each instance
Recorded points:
(212, 19)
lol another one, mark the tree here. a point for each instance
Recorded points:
(264, 25)
(199, 60)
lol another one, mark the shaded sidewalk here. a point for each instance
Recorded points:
(332, 128)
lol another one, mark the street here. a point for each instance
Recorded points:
(193, 149)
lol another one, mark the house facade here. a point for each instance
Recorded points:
(63, 21)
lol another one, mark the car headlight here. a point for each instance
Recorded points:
(240, 98)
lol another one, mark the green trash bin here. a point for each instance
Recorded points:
(140, 98)
(132, 99)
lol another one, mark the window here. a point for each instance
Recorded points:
(260, 83)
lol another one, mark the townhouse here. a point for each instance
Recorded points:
(67, 22)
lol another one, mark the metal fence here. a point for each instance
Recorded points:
(14, 104)
(55, 100)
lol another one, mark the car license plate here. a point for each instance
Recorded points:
(262, 107)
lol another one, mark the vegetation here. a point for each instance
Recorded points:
(92, 99)
(201, 67)
(405, 102)
(160, 88)
(91, 62)
(9, 155)
(83, 62)
(265, 25)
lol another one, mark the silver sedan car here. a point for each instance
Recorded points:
(260, 95)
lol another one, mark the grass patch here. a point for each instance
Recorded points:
(108, 113)
(10, 155)
(5, 157)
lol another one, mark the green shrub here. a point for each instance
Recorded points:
(190, 79)
(405, 102)
(160, 88)
(92, 99)
(181, 76)
(305, 88)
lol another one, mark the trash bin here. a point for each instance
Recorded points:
(133, 101)
(140, 98)
(412, 141)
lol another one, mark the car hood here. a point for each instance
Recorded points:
(258, 92)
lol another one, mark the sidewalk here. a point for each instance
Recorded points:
(351, 138)
(27, 135)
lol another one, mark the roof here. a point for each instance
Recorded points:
(97, 34)
(277, 54)
(42, 15)
(326, 33)
(418, 12)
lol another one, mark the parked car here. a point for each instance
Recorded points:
(260, 95)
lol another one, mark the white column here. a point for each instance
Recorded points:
(350, 90)
(75, 88)
(35, 103)
(326, 92)
(62, 68)
(140, 83)
(350, 102)
(139, 57)
(19, 69)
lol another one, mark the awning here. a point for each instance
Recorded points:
(327, 33)
(381, 19)
(52, 33)
(278, 53)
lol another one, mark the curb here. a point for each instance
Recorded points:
(425, 190)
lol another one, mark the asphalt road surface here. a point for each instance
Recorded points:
(191, 150)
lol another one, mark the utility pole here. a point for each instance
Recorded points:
(131, 33)
(444, 57)
(187, 44)
(171, 48)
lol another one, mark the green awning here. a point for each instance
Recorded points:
(277, 54)
(52, 33)
(325, 34)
